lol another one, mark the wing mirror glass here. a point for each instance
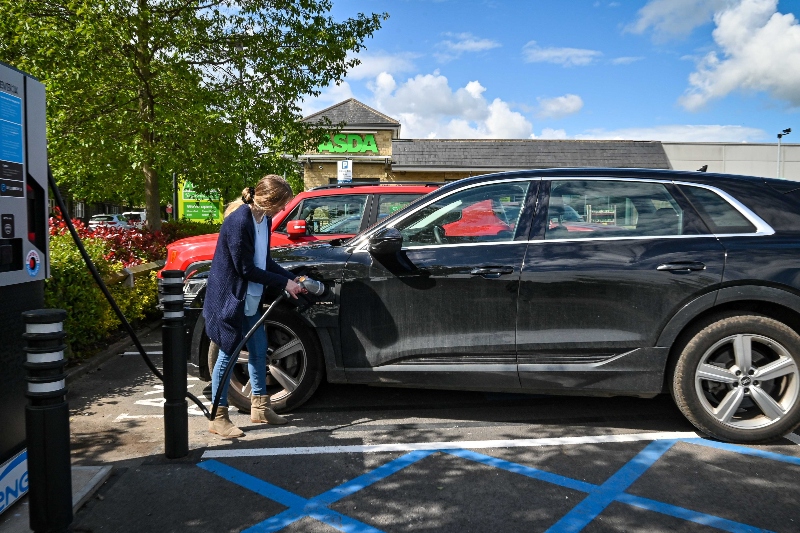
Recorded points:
(388, 241)
(296, 229)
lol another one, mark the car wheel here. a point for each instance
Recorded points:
(294, 368)
(737, 379)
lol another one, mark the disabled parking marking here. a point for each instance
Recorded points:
(316, 507)
(449, 445)
(598, 499)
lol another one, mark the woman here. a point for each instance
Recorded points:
(239, 271)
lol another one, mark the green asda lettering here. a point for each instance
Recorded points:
(349, 144)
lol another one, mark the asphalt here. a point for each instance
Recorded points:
(364, 459)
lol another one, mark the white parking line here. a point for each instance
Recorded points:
(452, 445)
(794, 438)
(126, 416)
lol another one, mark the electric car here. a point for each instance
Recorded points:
(653, 282)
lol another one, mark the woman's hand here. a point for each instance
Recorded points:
(294, 289)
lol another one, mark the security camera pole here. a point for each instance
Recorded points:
(787, 131)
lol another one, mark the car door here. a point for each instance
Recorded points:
(441, 312)
(609, 263)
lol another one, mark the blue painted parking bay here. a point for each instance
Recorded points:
(661, 484)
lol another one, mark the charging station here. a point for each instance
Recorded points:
(24, 263)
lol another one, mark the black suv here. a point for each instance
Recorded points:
(565, 281)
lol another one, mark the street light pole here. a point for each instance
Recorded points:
(787, 131)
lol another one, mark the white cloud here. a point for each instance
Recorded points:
(625, 60)
(676, 18)
(679, 133)
(549, 133)
(567, 57)
(463, 43)
(428, 107)
(760, 51)
(373, 64)
(560, 106)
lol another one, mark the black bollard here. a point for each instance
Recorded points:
(176, 414)
(47, 422)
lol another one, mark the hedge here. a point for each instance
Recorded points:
(90, 319)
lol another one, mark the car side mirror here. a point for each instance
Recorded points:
(388, 241)
(296, 229)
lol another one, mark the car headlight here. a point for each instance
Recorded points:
(191, 287)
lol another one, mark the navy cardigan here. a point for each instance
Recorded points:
(231, 270)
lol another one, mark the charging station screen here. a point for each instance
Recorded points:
(11, 176)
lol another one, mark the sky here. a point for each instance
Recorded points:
(667, 70)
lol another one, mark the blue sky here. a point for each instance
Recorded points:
(670, 70)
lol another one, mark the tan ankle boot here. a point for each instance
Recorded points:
(222, 425)
(260, 413)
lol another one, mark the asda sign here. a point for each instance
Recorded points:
(349, 144)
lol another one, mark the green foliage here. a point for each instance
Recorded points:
(90, 318)
(139, 89)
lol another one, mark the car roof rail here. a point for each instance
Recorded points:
(374, 183)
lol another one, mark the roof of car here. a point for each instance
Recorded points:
(642, 173)
(372, 188)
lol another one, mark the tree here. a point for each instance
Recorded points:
(208, 88)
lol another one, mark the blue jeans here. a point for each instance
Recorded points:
(256, 364)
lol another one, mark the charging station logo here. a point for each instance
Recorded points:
(32, 263)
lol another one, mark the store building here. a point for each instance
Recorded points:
(371, 141)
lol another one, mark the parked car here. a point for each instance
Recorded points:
(136, 218)
(321, 214)
(665, 282)
(117, 221)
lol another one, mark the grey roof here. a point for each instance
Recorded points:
(435, 154)
(354, 114)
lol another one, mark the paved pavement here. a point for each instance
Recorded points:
(367, 459)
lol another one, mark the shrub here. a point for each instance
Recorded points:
(90, 318)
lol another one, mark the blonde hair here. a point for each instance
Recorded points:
(270, 194)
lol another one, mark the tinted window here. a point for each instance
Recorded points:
(596, 209)
(329, 214)
(487, 213)
(720, 216)
(102, 218)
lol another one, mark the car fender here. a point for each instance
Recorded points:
(738, 293)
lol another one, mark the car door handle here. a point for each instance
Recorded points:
(491, 272)
(686, 266)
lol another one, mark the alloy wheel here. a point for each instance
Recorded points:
(747, 381)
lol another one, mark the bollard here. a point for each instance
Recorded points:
(176, 414)
(47, 422)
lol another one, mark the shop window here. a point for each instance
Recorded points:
(488, 213)
(598, 209)
(329, 215)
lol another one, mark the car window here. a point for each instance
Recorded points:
(589, 209)
(389, 204)
(718, 214)
(103, 218)
(487, 213)
(329, 214)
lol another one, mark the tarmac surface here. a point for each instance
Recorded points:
(363, 459)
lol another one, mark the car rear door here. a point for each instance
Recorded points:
(441, 312)
(609, 263)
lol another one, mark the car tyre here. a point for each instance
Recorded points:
(736, 378)
(302, 368)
